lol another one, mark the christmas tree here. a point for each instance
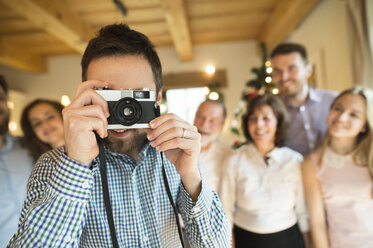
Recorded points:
(261, 84)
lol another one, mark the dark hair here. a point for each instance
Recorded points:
(29, 140)
(279, 110)
(286, 48)
(120, 40)
(217, 102)
(3, 84)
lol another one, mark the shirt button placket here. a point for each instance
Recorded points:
(137, 210)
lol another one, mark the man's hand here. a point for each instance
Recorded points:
(88, 112)
(181, 143)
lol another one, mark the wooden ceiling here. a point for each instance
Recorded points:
(32, 30)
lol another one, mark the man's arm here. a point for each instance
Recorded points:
(205, 220)
(181, 143)
(53, 214)
(60, 184)
(206, 223)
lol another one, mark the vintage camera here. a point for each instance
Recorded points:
(130, 108)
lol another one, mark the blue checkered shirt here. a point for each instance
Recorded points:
(64, 206)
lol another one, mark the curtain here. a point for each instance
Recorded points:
(360, 25)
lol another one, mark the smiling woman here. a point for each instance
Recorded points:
(338, 175)
(42, 126)
(262, 188)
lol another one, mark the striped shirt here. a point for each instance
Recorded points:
(64, 206)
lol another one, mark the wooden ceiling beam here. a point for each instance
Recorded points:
(38, 43)
(204, 9)
(54, 17)
(178, 25)
(238, 21)
(136, 16)
(15, 57)
(285, 18)
(99, 5)
(228, 35)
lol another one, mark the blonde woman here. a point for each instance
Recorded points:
(338, 175)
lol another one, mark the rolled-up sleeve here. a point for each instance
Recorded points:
(206, 223)
(54, 210)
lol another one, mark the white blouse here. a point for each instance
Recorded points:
(264, 196)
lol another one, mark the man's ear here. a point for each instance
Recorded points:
(159, 96)
(309, 69)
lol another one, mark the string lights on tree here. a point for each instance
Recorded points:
(213, 90)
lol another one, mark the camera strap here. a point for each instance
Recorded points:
(172, 202)
(105, 190)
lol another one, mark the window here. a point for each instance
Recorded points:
(184, 102)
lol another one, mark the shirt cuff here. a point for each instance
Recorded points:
(203, 204)
(72, 180)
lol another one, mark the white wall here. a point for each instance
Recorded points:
(324, 34)
(61, 79)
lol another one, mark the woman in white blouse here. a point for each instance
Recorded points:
(262, 190)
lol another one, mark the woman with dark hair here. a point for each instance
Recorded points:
(262, 189)
(338, 175)
(42, 126)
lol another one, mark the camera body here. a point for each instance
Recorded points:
(130, 108)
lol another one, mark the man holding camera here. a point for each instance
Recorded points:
(65, 207)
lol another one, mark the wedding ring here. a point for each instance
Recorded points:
(184, 132)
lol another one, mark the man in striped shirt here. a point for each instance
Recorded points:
(64, 206)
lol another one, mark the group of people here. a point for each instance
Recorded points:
(304, 176)
(302, 179)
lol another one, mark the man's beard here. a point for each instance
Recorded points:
(132, 144)
(4, 122)
(296, 91)
(207, 141)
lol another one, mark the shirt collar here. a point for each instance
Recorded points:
(311, 97)
(274, 154)
(140, 158)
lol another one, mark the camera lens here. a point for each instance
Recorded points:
(127, 111)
